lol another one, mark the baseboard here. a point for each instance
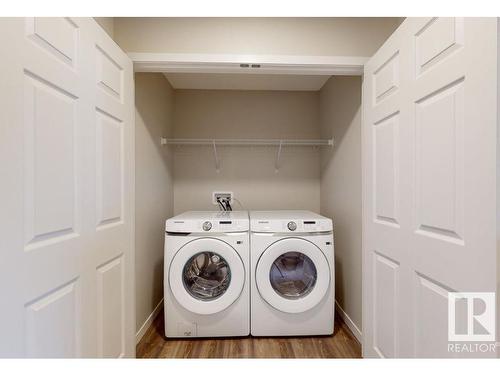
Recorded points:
(148, 322)
(348, 321)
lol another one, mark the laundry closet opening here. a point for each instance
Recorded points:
(171, 178)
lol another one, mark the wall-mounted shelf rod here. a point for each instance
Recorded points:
(247, 142)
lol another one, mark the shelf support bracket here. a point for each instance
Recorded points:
(216, 157)
(278, 156)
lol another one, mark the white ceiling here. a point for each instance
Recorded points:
(216, 81)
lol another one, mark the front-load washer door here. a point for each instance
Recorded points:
(206, 276)
(292, 275)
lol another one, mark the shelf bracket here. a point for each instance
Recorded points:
(278, 156)
(216, 157)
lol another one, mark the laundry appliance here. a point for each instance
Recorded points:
(206, 273)
(292, 273)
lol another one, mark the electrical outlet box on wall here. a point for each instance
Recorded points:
(222, 195)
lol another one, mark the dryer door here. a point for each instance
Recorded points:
(292, 275)
(206, 276)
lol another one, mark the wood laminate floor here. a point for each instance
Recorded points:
(342, 344)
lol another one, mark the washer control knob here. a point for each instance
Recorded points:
(207, 225)
(292, 225)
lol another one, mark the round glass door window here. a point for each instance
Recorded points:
(206, 276)
(293, 275)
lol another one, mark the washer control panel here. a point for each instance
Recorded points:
(221, 226)
(208, 222)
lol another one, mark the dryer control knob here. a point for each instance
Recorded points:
(292, 225)
(207, 225)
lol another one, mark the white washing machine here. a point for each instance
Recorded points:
(206, 274)
(292, 273)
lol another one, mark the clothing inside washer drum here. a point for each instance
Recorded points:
(206, 276)
(293, 275)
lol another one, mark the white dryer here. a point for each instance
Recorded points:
(206, 274)
(292, 273)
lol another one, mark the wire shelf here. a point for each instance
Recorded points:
(247, 142)
(279, 143)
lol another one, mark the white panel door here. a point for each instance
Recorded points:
(429, 180)
(66, 151)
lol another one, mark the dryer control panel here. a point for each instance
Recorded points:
(289, 222)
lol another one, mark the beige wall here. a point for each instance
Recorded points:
(108, 24)
(291, 36)
(153, 187)
(340, 116)
(248, 172)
